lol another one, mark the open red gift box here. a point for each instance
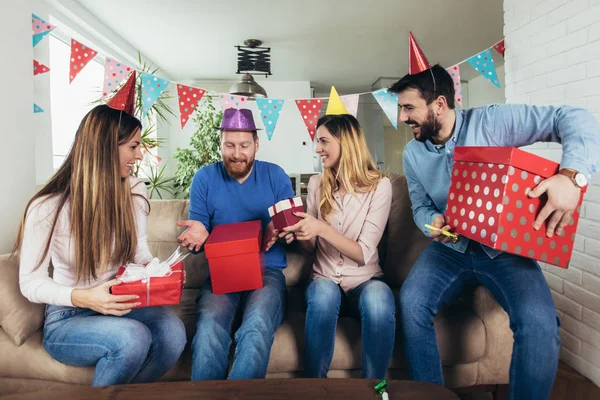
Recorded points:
(282, 213)
(154, 291)
(235, 258)
(488, 202)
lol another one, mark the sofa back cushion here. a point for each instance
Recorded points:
(402, 241)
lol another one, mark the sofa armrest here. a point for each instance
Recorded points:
(493, 366)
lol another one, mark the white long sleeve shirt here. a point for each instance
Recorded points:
(35, 284)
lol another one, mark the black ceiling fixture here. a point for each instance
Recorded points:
(254, 59)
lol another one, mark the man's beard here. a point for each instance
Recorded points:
(241, 171)
(429, 128)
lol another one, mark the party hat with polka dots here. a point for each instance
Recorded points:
(124, 99)
(81, 55)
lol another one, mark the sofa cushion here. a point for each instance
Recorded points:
(18, 316)
(402, 241)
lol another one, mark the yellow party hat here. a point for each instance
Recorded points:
(335, 105)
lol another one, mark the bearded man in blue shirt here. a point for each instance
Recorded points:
(445, 269)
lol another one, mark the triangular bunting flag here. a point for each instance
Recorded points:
(351, 103)
(38, 25)
(335, 106)
(188, 98)
(309, 110)
(499, 47)
(37, 109)
(38, 37)
(388, 101)
(484, 64)
(40, 29)
(232, 101)
(81, 55)
(39, 68)
(124, 99)
(269, 113)
(152, 88)
(454, 72)
(115, 72)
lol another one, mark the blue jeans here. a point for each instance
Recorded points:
(372, 302)
(261, 310)
(441, 274)
(138, 347)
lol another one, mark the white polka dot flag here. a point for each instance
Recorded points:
(388, 101)
(484, 64)
(454, 72)
(310, 110)
(351, 103)
(40, 28)
(115, 72)
(269, 113)
(232, 101)
(152, 87)
(188, 98)
(39, 68)
(81, 55)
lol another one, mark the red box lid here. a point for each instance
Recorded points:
(509, 156)
(234, 239)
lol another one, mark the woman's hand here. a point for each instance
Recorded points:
(99, 299)
(306, 229)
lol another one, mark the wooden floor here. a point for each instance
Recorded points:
(569, 384)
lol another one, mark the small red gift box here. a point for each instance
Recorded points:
(235, 257)
(282, 213)
(154, 291)
(488, 202)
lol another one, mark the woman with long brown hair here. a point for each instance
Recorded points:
(89, 219)
(347, 209)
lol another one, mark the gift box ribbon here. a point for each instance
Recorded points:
(134, 274)
(285, 204)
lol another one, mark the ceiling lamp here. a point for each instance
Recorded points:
(252, 59)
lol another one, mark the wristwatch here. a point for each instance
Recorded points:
(576, 177)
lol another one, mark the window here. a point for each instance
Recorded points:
(70, 102)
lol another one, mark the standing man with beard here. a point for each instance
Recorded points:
(444, 270)
(237, 189)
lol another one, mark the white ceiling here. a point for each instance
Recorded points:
(347, 43)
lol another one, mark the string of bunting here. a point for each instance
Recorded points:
(116, 73)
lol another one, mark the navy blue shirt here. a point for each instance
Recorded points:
(216, 198)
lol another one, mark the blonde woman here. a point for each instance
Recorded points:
(89, 219)
(347, 209)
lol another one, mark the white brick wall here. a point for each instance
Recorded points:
(553, 57)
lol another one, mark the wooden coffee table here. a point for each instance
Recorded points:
(286, 389)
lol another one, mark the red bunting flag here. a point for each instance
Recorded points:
(39, 68)
(81, 55)
(310, 110)
(189, 97)
(499, 47)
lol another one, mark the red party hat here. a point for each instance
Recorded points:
(418, 61)
(124, 99)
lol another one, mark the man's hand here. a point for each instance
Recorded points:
(563, 198)
(194, 236)
(270, 237)
(438, 222)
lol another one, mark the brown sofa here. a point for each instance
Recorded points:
(473, 333)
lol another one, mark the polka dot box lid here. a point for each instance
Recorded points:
(488, 202)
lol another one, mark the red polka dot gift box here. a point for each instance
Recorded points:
(488, 202)
(235, 258)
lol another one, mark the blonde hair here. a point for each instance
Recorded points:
(356, 169)
(101, 217)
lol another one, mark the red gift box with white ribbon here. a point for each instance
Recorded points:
(488, 202)
(235, 258)
(153, 291)
(282, 213)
